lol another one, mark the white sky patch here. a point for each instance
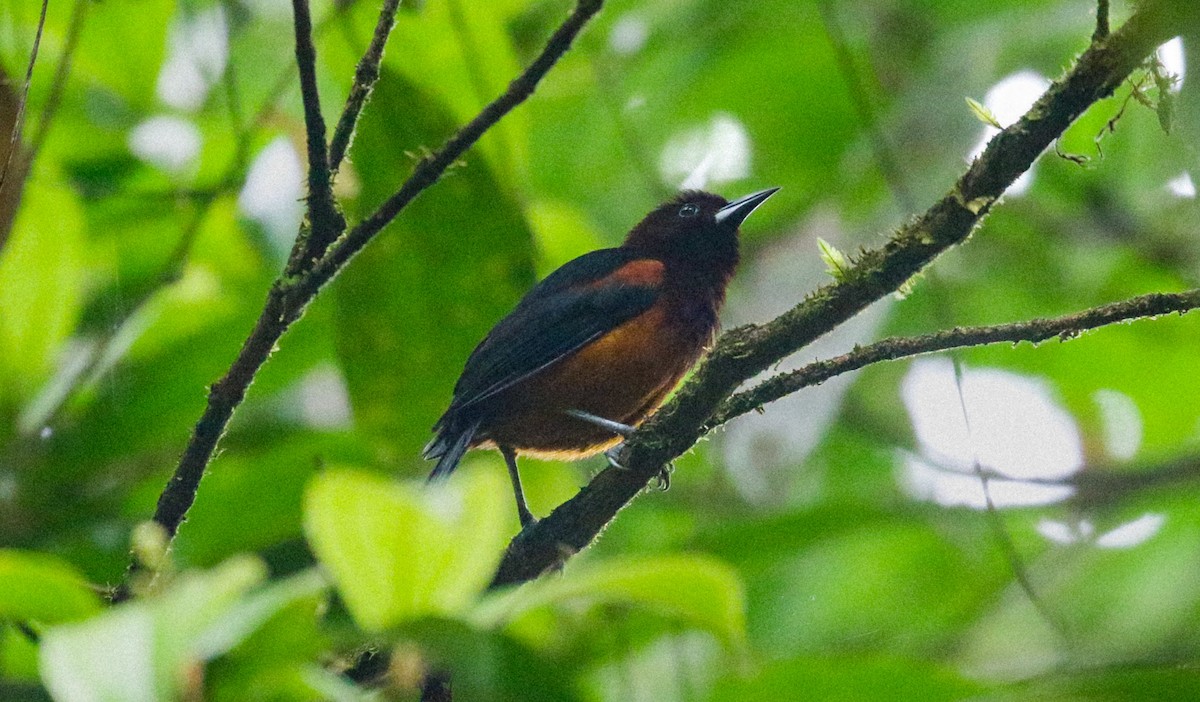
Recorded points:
(628, 35)
(274, 186)
(197, 48)
(1170, 55)
(324, 399)
(1082, 531)
(715, 153)
(1133, 533)
(1016, 430)
(1182, 186)
(1007, 100)
(1061, 532)
(1122, 423)
(170, 143)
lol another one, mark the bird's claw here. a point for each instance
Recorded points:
(614, 457)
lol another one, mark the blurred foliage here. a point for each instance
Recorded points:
(315, 565)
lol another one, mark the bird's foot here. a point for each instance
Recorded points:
(614, 457)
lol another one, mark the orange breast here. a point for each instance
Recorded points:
(622, 376)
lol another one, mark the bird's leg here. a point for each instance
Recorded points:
(523, 513)
(623, 430)
(615, 427)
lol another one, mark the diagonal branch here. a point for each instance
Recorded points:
(746, 351)
(291, 293)
(14, 142)
(59, 83)
(324, 223)
(430, 168)
(1034, 331)
(365, 76)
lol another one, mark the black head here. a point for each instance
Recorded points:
(696, 228)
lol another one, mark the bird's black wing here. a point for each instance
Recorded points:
(566, 311)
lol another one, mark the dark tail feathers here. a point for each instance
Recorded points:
(448, 447)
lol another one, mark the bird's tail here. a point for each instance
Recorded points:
(448, 447)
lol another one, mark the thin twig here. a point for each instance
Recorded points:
(894, 177)
(746, 351)
(430, 168)
(14, 141)
(365, 76)
(1101, 32)
(324, 223)
(1033, 331)
(889, 166)
(288, 297)
(999, 529)
(61, 74)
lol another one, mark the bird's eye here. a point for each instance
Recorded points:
(689, 210)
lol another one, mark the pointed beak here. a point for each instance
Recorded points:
(735, 212)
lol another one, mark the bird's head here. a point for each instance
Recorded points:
(696, 228)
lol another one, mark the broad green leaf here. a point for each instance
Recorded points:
(122, 48)
(459, 53)
(108, 659)
(399, 550)
(18, 655)
(699, 590)
(41, 282)
(41, 588)
(247, 615)
(563, 233)
(1131, 683)
(146, 650)
(423, 294)
(849, 679)
(288, 636)
(486, 666)
(265, 467)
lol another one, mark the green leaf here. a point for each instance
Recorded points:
(836, 262)
(846, 678)
(41, 282)
(1118, 684)
(143, 650)
(487, 666)
(18, 655)
(699, 590)
(398, 551)
(423, 294)
(459, 54)
(245, 617)
(983, 114)
(37, 587)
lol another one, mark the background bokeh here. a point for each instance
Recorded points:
(835, 547)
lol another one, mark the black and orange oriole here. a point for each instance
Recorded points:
(596, 346)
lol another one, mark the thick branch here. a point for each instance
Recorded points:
(744, 352)
(1035, 331)
(365, 76)
(289, 295)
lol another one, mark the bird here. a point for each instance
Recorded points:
(593, 349)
